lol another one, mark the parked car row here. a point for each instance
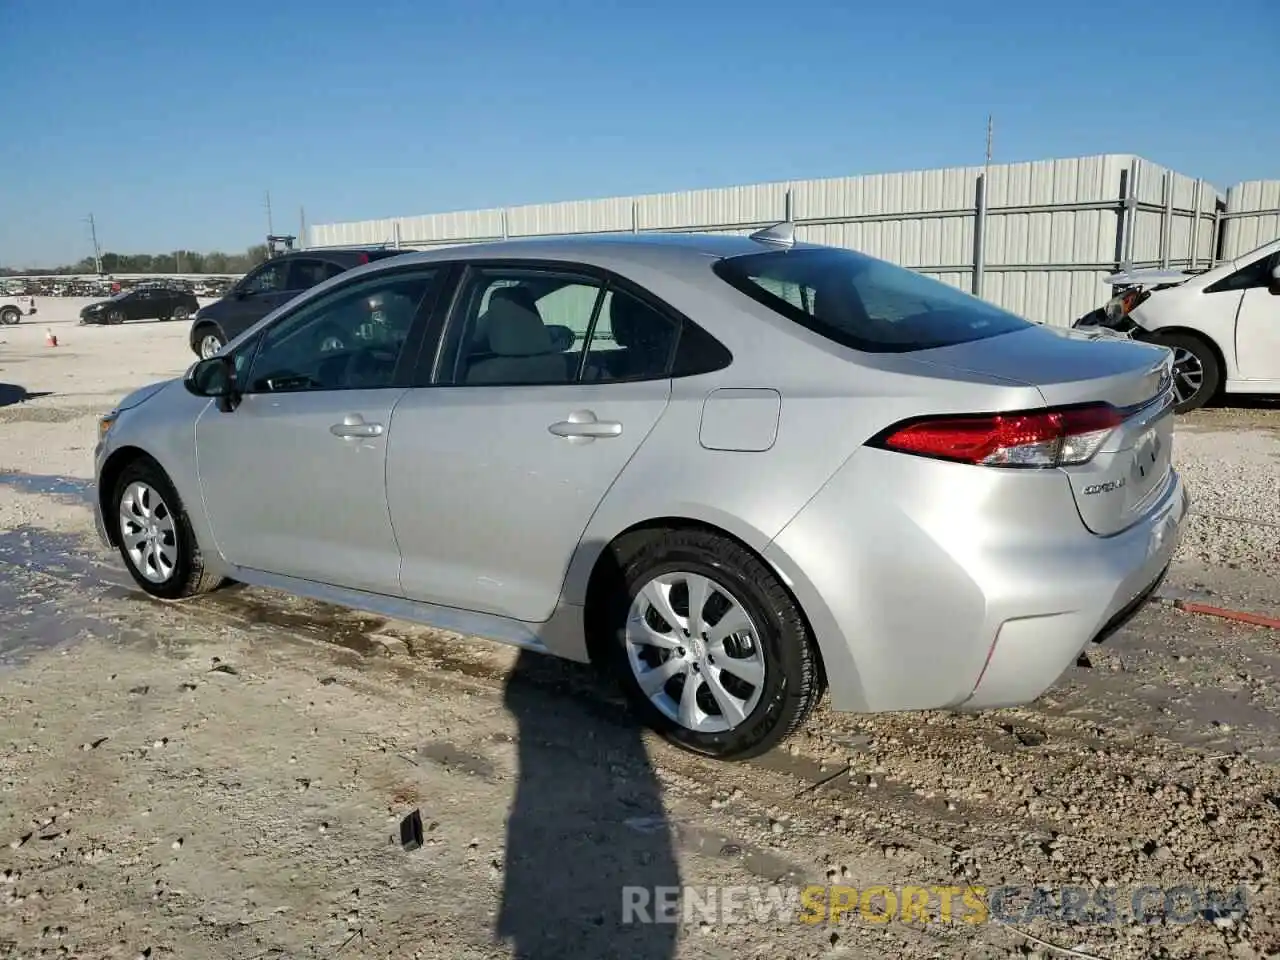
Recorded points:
(734, 472)
(1223, 324)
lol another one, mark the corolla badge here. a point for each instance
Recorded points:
(1109, 487)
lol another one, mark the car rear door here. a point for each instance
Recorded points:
(494, 472)
(293, 478)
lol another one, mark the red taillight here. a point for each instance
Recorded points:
(362, 258)
(1033, 438)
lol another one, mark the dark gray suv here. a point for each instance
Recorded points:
(271, 285)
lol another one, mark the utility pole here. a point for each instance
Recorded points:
(302, 226)
(990, 132)
(97, 252)
(270, 226)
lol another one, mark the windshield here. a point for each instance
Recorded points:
(865, 303)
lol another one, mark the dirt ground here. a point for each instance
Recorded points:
(226, 778)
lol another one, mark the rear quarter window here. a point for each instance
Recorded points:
(864, 303)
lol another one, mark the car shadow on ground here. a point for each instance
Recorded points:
(587, 832)
(11, 393)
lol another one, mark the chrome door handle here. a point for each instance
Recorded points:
(583, 425)
(353, 426)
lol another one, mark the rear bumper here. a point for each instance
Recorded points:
(1029, 654)
(939, 586)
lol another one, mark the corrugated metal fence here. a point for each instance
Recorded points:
(1037, 238)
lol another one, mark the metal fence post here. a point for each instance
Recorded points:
(1129, 216)
(635, 217)
(1195, 224)
(505, 233)
(979, 233)
(395, 226)
(1166, 219)
(787, 207)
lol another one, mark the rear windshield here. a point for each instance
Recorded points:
(865, 303)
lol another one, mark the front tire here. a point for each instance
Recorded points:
(208, 342)
(154, 534)
(1196, 371)
(708, 645)
(180, 313)
(10, 315)
(115, 317)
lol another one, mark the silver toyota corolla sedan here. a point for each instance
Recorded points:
(733, 471)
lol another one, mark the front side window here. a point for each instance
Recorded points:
(865, 303)
(351, 339)
(1255, 274)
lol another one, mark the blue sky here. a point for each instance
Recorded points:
(171, 121)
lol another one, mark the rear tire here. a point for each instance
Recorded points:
(10, 315)
(154, 534)
(1196, 371)
(180, 313)
(753, 686)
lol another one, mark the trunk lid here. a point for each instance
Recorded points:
(1132, 470)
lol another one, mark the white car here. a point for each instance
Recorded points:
(13, 309)
(1223, 325)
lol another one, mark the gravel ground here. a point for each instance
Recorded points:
(226, 777)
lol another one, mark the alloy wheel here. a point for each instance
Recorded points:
(148, 533)
(695, 652)
(209, 345)
(1188, 374)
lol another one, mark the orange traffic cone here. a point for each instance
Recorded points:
(49, 339)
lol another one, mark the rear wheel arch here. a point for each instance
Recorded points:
(792, 676)
(604, 570)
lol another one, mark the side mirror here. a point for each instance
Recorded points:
(239, 292)
(214, 377)
(1274, 286)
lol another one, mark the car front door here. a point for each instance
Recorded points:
(293, 477)
(1258, 324)
(494, 472)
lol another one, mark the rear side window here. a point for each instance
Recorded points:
(865, 303)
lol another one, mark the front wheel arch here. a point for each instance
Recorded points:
(1159, 337)
(107, 478)
(203, 329)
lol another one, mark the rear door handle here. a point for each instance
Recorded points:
(583, 425)
(353, 426)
